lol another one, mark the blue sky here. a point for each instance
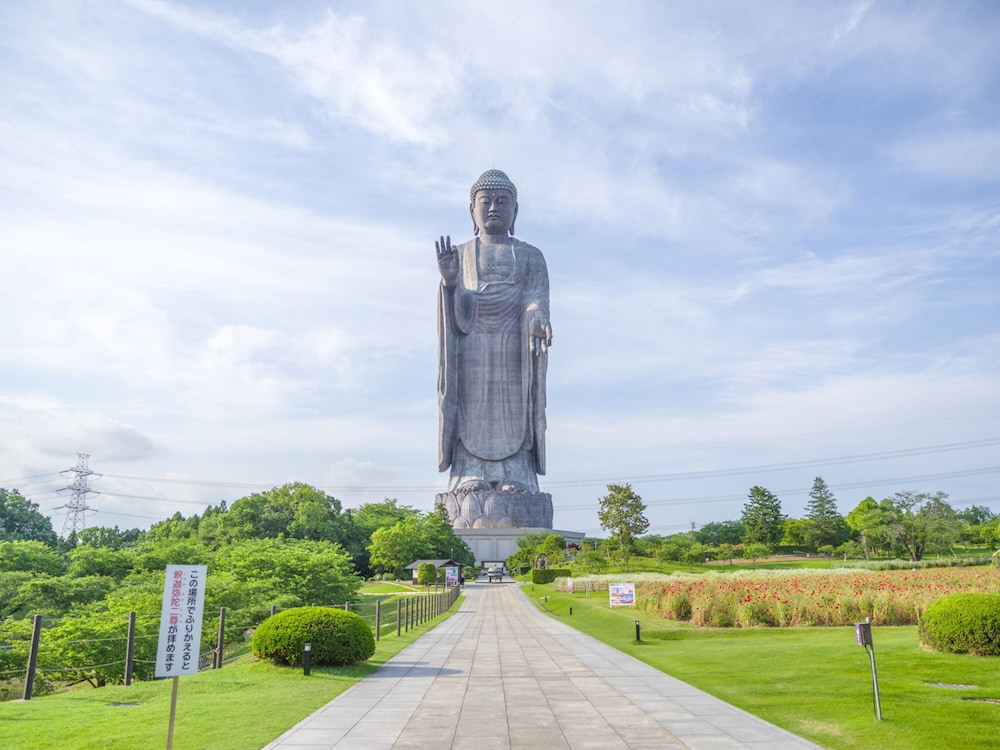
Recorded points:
(771, 231)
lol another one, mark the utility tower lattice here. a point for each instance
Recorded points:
(76, 508)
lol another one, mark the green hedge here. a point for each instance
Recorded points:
(548, 575)
(963, 624)
(337, 637)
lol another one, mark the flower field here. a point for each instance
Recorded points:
(804, 597)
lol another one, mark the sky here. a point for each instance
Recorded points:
(771, 231)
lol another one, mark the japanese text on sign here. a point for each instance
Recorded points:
(180, 620)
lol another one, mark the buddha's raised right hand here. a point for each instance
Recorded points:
(447, 260)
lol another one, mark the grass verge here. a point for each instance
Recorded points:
(815, 682)
(244, 705)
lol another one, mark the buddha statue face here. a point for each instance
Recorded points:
(493, 211)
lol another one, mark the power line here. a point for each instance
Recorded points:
(156, 499)
(862, 457)
(799, 490)
(49, 475)
(675, 476)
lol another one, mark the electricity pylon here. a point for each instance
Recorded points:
(76, 508)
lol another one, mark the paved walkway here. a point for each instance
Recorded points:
(500, 674)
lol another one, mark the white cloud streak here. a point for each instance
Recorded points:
(217, 223)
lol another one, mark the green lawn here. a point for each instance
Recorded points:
(244, 705)
(815, 682)
(389, 588)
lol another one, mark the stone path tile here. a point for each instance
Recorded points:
(499, 674)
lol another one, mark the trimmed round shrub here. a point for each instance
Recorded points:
(963, 624)
(337, 637)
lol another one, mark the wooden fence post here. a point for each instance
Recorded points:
(130, 649)
(29, 677)
(220, 639)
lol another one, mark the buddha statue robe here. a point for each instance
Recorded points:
(491, 386)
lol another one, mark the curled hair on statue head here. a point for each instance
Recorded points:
(493, 179)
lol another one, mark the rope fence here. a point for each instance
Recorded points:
(41, 656)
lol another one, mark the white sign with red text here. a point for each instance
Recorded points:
(180, 621)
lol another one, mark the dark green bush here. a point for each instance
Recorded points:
(548, 575)
(337, 637)
(963, 624)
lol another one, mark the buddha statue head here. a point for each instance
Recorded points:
(493, 204)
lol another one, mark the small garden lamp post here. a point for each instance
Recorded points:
(863, 635)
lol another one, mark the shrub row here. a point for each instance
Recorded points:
(548, 575)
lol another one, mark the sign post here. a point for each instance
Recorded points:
(179, 643)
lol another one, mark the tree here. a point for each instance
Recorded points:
(826, 526)
(621, 514)
(153, 556)
(105, 536)
(417, 537)
(976, 515)
(866, 520)
(300, 570)
(720, 532)
(726, 551)
(175, 527)
(755, 551)
(426, 573)
(294, 510)
(10, 587)
(850, 548)
(381, 515)
(32, 556)
(553, 547)
(21, 521)
(974, 519)
(527, 546)
(55, 595)
(795, 532)
(697, 554)
(923, 522)
(395, 547)
(762, 519)
(591, 561)
(85, 560)
(441, 540)
(990, 533)
(365, 521)
(90, 644)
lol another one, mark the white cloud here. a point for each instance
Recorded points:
(966, 154)
(766, 230)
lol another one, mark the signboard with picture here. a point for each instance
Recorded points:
(621, 594)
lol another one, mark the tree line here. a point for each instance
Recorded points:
(292, 545)
(906, 525)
